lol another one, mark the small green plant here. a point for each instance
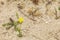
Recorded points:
(14, 24)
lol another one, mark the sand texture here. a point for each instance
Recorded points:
(42, 25)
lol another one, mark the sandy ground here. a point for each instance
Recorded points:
(46, 28)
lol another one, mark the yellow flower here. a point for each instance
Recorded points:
(20, 20)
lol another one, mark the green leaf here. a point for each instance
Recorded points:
(20, 35)
(9, 27)
(6, 24)
(3, 24)
(19, 32)
(17, 15)
(59, 8)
